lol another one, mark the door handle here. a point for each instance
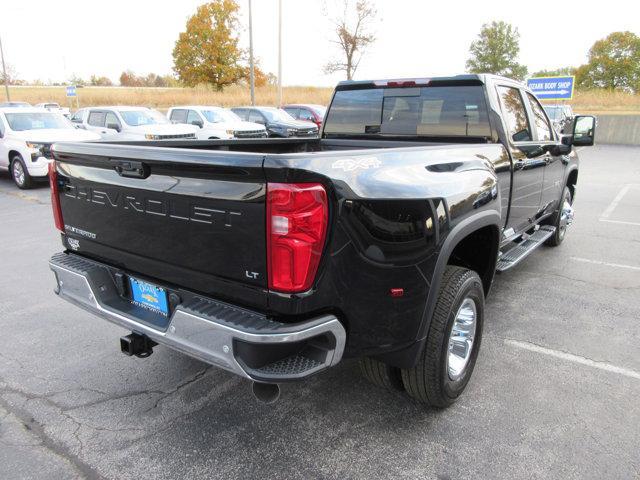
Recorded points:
(519, 164)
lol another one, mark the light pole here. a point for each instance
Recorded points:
(4, 72)
(251, 71)
(279, 53)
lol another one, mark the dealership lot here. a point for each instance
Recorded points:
(554, 394)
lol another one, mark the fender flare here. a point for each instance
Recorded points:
(460, 231)
(408, 356)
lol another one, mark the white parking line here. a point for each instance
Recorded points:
(619, 221)
(574, 358)
(598, 262)
(615, 202)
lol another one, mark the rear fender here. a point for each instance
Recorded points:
(407, 357)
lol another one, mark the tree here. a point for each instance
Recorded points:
(12, 75)
(496, 51)
(614, 63)
(208, 52)
(130, 79)
(76, 80)
(558, 72)
(100, 81)
(353, 37)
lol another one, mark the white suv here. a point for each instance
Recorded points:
(26, 135)
(216, 122)
(130, 123)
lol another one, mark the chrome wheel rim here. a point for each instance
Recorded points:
(461, 339)
(18, 172)
(566, 216)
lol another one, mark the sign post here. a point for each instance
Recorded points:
(552, 88)
(72, 92)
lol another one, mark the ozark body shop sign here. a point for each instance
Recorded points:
(552, 88)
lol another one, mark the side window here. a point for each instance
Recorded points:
(96, 119)
(241, 112)
(540, 119)
(1, 128)
(178, 116)
(293, 112)
(515, 115)
(112, 119)
(77, 117)
(306, 115)
(193, 116)
(256, 117)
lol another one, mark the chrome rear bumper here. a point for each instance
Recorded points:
(242, 341)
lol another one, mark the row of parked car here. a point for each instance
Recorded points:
(27, 133)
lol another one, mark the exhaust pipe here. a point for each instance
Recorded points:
(135, 344)
(267, 393)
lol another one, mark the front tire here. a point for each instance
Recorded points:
(453, 341)
(20, 174)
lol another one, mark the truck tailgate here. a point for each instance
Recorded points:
(194, 218)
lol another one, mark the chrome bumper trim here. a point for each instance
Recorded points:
(89, 285)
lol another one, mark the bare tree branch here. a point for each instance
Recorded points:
(353, 41)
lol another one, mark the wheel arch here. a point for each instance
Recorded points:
(13, 153)
(485, 227)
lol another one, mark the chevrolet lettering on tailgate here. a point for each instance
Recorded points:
(161, 207)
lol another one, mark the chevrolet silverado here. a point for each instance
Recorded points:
(277, 258)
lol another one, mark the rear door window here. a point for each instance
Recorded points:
(112, 119)
(293, 112)
(96, 119)
(306, 116)
(178, 115)
(193, 116)
(256, 117)
(540, 119)
(514, 113)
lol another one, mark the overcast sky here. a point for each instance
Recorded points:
(54, 39)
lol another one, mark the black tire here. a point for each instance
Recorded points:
(381, 374)
(557, 221)
(20, 174)
(429, 382)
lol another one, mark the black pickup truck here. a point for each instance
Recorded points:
(276, 258)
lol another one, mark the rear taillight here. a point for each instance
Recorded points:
(55, 198)
(297, 216)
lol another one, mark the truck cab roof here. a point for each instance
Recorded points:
(480, 78)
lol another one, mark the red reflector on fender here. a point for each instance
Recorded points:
(396, 292)
(297, 217)
(55, 198)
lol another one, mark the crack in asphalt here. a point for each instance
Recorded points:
(194, 379)
(48, 442)
(60, 447)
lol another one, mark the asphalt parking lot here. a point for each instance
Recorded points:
(554, 394)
